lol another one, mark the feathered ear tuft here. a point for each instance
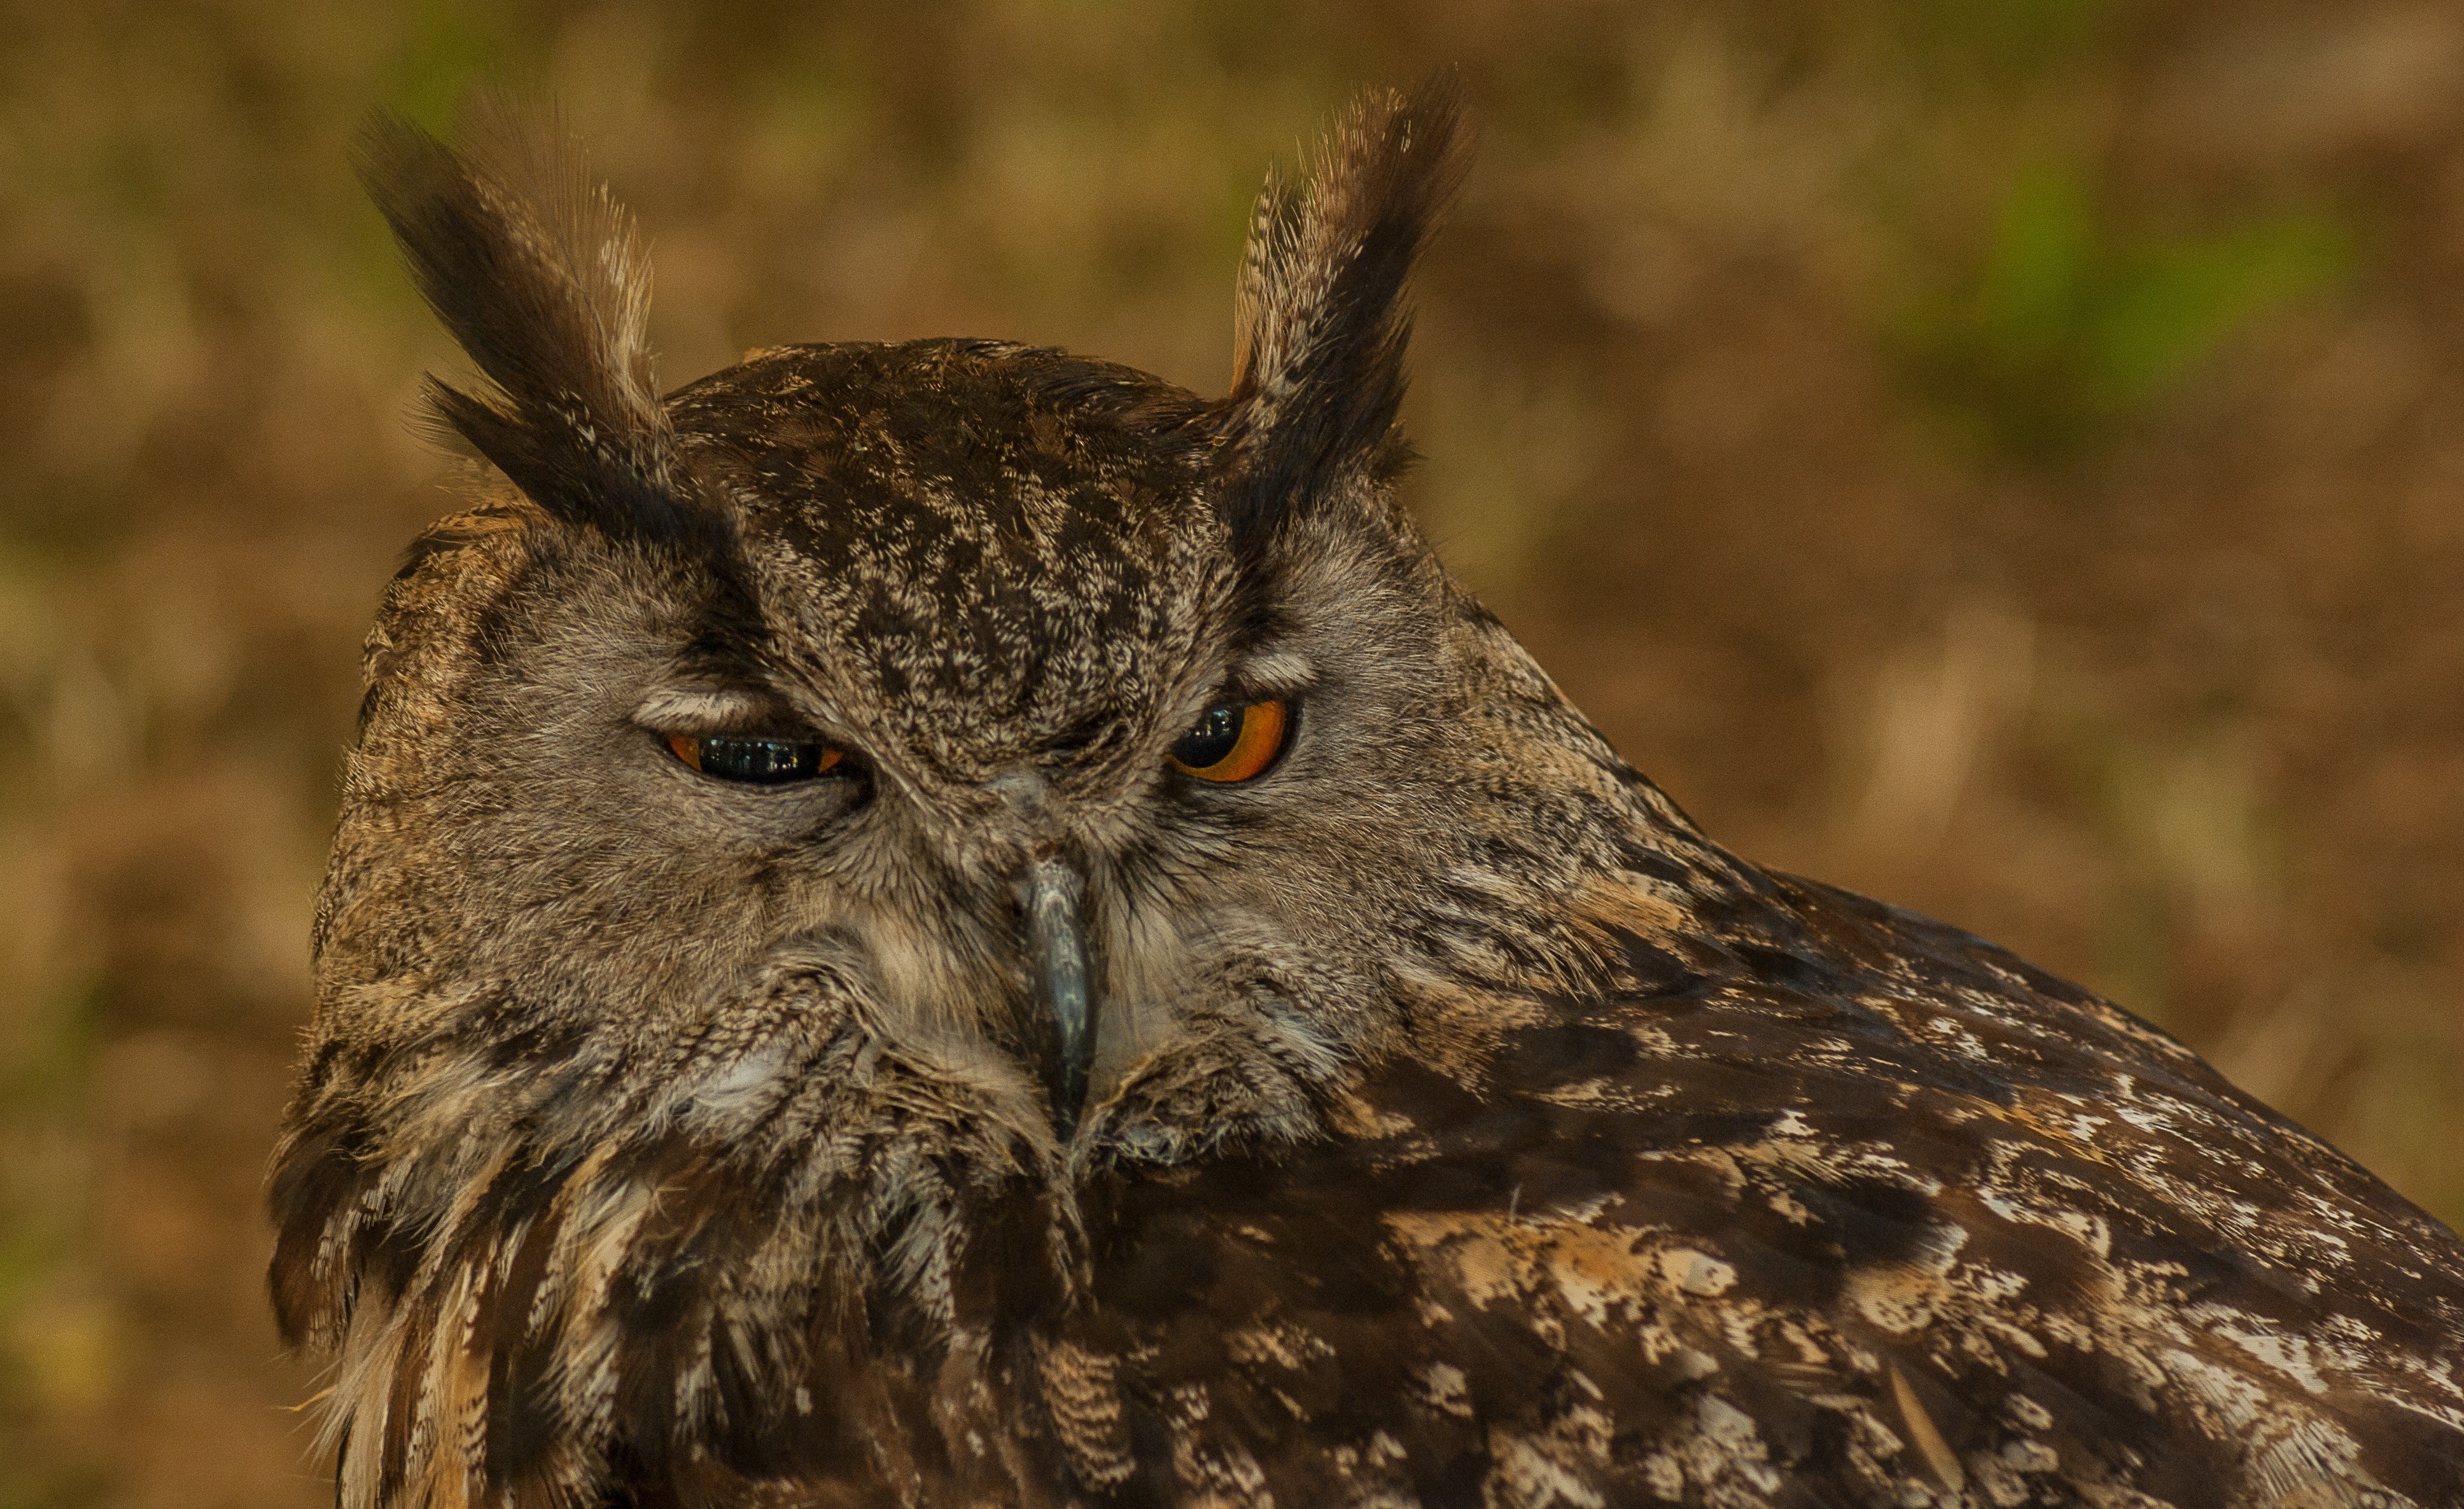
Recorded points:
(535, 270)
(1323, 320)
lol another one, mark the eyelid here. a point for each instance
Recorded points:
(729, 714)
(711, 710)
(1286, 680)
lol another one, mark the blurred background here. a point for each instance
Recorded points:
(2004, 455)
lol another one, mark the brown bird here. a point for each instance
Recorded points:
(951, 923)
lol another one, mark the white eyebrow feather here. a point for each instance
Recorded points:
(1279, 670)
(683, 709)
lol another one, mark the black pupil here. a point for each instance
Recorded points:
(763, 762)
(1211, 741)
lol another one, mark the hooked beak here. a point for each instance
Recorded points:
(1053, 889)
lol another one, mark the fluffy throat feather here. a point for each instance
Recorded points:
(538, 1266)
(533, 1276)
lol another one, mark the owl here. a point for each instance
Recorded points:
(950, 924)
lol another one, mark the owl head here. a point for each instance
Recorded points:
(809, 830)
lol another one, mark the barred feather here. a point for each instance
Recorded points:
(1465, 1126)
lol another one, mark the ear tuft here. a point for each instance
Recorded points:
(1322, 317)
(536, 271)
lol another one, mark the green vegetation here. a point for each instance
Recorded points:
(2071, 325)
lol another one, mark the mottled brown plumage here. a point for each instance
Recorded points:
(1460, 1125)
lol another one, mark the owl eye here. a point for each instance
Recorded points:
(1233, 742)
(755, 762)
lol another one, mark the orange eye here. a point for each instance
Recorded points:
(1233, 742)
(754, 762)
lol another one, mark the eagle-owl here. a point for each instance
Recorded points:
(951, 924)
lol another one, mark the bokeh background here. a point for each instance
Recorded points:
(2005, 455)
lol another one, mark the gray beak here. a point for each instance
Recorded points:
(1053, 889)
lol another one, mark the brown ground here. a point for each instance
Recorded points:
(2006, 455)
